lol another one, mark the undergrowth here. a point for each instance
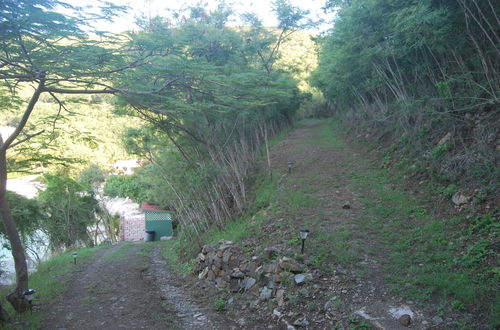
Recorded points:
(181, 250)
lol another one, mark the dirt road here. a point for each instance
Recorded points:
(128, 286)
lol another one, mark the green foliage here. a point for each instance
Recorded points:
(447, 260)
(449, 190)
(295, 241)
(377, 31)
(476, 253)
(407, 70)
(89, 134)
(119, 254)
(70, 207)
(298, 56)
(297, 199)
(221, 97)
(27, 214)
(93, 175)
(50, 134)
(220, 304)
(238, 229)
(428, 253)
(176, 251)
(289, 17)
(265, 193)
(484, 224)
(124, 186)
(439, 151)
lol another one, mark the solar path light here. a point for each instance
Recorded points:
(28, 294)
(74, 254)
(303, 236)
(290, 165)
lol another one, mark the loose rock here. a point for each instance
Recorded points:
(445, 139)
(203, 273)
(237, 273)
(234, 285)
(289, 264)
(270, 253)
(266, 293)
(247, 283)
(302, 278)
(225, 244)
(301, 322)
(405, 320)
(280, 297)
(459, 199)
(207, 249)
(437, 320)
(226, 256)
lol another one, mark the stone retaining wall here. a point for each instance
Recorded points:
(225, 267)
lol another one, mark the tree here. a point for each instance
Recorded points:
(27, 214)
(70, 207)
(265, 41)
(45, 52)
(204, 134)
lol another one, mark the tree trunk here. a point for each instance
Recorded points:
(16, 298)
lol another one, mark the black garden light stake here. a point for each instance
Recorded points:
(303, 236)
(28, 294)
(74, 254)
(290, 164)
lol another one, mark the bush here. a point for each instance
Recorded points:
(220, 304)
(93, 174)
(124, 186)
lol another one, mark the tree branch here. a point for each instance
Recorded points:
(106, 90)
(80, 91)
(28, 137)
(27, 113)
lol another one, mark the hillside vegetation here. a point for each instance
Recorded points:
(421, 78)
(85, 133)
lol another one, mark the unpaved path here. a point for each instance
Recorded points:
(348, 289)
(128, 286)
(356, 286)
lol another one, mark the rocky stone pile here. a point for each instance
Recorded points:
(227, 268)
